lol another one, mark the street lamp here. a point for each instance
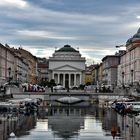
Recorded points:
(120, 46)
(9, 72)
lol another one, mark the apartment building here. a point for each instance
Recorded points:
(7, 61)
(32, 65)
(43, 70)
(110, 64)
(129, 68)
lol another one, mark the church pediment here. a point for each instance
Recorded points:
(67, 68)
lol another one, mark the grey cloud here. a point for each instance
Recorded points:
(81, 28)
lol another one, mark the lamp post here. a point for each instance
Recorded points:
(9, 73)
(118, 46)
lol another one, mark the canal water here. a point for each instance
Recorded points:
(63, 122)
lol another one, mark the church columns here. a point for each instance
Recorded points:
(80, 79)
(63, 80)
(52, 75)
(67, 79)
(74, 79)
(58, 78)
(77, 79)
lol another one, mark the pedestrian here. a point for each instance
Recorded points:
(51, 88)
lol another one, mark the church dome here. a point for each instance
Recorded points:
(129, 41)
(137, 35)
(67, 48)
(135, 39)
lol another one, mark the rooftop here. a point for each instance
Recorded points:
(67, 48)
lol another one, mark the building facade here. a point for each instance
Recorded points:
(95, 75)
(100, 74)
(7, 61)
(32, 65)
(67, 67)
(129, 68)
(110, 64)
(88, 74)
(43, 73)
(12, 67)
(20, 68)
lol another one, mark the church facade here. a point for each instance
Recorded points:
(67, 67)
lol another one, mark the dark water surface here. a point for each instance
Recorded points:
(69, 123)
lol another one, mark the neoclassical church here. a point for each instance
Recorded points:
(67, 67)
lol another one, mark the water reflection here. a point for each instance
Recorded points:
(17, 123)
(129, 128)
(69, 123)
(65, 122)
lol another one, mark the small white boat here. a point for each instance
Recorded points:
(69, 100)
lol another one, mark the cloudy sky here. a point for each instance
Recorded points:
(94, 27)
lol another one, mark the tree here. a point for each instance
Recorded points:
(51, 83)
(88, 83)
(81, 86)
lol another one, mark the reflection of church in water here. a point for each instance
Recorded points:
(66, 122)
(20, 125)
(67, 111)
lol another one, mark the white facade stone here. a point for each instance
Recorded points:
(67, 67)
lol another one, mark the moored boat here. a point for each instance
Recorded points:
(126, 107)
(20, 105)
